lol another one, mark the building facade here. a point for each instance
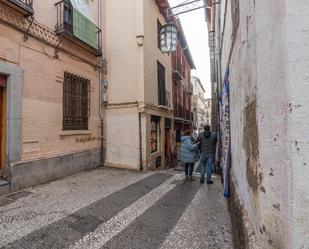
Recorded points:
(182, 63)
(208, 111)
(49, 87)
(199, 107)
(261, 58)
(139, 111)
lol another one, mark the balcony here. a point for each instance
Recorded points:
(74, 26)
(23, 6)
(178, 112)
(177, 68)
(165, 99)
(190, 91)
(188, 115)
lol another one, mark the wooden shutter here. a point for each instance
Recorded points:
(161, 85)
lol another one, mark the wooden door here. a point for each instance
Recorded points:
(168, 148)
(2, 121)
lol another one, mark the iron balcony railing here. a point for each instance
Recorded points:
(165, 99)
(179, 111)
(23, 6)
(188, 115)
(177, 67)
(78, 28)
(190, 89)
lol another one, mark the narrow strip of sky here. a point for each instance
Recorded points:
(195, 29)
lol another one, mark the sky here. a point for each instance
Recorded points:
(196, 32)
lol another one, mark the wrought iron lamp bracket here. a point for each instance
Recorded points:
(56, 55)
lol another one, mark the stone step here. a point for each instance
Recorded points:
(4, 187)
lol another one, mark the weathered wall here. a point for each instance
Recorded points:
(297, 31)
(122, 138)
(259, 117)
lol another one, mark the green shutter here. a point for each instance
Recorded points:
(84, 29)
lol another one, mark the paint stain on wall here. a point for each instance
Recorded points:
(251, 145)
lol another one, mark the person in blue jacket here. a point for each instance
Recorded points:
(189, 153)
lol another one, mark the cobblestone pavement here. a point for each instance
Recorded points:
(115, 209)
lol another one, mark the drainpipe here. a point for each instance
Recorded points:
(140, 141)
(101, 87)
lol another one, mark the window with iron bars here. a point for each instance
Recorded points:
(76, 102)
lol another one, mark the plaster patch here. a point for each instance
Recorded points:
(251, 145)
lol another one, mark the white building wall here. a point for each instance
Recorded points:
(269, 115)
(298, 76)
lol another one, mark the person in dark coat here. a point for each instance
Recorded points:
(208, 141)
(188, 153)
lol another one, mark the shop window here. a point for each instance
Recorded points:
(76, 102)
(155, 134)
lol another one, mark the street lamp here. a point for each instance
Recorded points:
(168, 38)
(168, 33)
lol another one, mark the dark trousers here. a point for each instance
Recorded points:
(189, 169)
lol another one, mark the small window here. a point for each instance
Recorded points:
(155, 134)
(76, 102)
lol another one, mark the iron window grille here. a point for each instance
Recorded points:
(76, 102)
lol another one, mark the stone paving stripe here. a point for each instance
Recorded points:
(205, 223)
(59, 235)
(118, 223)
(86, 224)
(5, 201)
(176, 182)
(150, 229)
(18, 195)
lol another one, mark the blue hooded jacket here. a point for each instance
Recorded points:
(188, 150)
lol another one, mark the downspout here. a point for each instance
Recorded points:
(140, 141)
(101, 87)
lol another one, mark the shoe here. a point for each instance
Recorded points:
(202, 181)
(191, 179)
(210, 182)
(186, 179)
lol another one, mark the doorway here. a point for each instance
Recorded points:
(168, 143)
(3, 82)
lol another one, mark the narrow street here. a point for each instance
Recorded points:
(112, 209)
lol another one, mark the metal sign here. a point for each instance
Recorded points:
(187, 7)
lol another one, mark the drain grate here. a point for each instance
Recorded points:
(86, 224)
(18, 195)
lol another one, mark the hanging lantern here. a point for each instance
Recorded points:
(168, 38)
